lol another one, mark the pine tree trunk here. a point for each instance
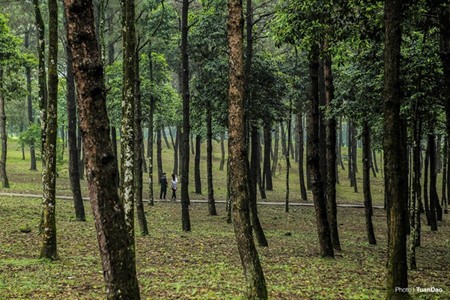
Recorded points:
(366, 183)
(288, 163)
(197, 177)
(116, 157)
(127, 159)
(30, 104)
(209, 157)
(3, 135)
(176, 150)
(331, 154)
(138, 150)
(340, 144)
(275, 150)
(186, 223)
(151, 130)
(322, 130)
(267, 171)
(116, 251)
(283, 139)
(74, 173)
(301, 156)
(444, 174)
(433, 191)
(394, 184)
(159, 151)
(222, 151)
(425, 186)
(320, 205)
(256, 286)
(349, 152)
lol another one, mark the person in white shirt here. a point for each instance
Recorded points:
(174, 187)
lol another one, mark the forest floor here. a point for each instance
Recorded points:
(204, 264)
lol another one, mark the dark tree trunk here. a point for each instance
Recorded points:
(259, 179)
(267, 171)
(349, 152)
(164, 135)
(74, 173)
(192, 143)
(331, 154)
(116, 248)
(320, 205)
(176, 150)
(151, 118)
(3, 135)
(366, 183)
(197, 177)
(288, 153)
(323, 130)
(159, 151)
(354, 159)
(301, 156)
(138, 150)
(283, 139)
(394, 178)
(425, 186)
(209, 156)
(374, 161)
(415, 222)
(275, 150)
(42, 74)
(222, 151)
(256, 285)
(114, 147)
(444, 24)
(340, 144)
(186, 223)
(444, 175)
(49, 247)
(30, 104)
(433, 191)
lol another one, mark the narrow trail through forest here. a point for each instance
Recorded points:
(62, 197)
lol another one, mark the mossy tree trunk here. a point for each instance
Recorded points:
(49, 246)
(256, 287)
(397, 277)
(116, 247)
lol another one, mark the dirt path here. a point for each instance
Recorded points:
(196, 201)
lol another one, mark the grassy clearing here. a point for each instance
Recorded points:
(204, 264)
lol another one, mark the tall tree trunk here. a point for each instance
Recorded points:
(42, 74)
(275, 150)
(30, 104)
(433, 191)
(288, 153)
(256, 285)
(74, 173)
(185, 219)
(330, 153)
(415, 222)
(116, 248)
(366, 183)
(49, 247)
(222, 151)
(159, 151)
(322, 129)
(301, 156)
(374, 160)
(259, 179)
(267, 171)
(151, 130)
(171, 136)
(283, 139)
(444, 25)
(197, 177)
(425, 185)
(444, 175)
(138, 151)
(127, 159)
(164, 135)
(320, 205)
(340, 144)
(397, 278)
(349, 152)
(209, 157)
(354, 159)
(176, 150)
(3, 135)
(80, 149)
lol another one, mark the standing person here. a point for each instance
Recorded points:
(174, 187)
(163, 183)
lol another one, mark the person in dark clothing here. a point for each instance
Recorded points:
(163, 183)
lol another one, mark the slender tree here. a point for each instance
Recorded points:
(116, 247)
(397, 278)
(366, 183)
(3, 135)
(197, 178)
(256, 286)
(49, 247)
(209, 165)
(301, 155)
(30, 103)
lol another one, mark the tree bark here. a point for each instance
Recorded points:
(30, 104)
(185, 219)
(138, 150)
(425, 186)
(197, 177)
(434, 201)
(330, 152)
(366, 183)
(320, 205)
(74, 173)
(159, 151)
(127, 159)
(151, 118)
(176, 150)
(3, 135)
(301, 146)
(49, 246)
(164, 135)
(119, 269)
(275, 150)
(209, 157)
(256, 286)
(267, 171)
(393, 154)
(222, 151)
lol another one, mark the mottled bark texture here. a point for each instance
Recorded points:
(127, 138)
(74, 173)
(313, 158)
(330, 124)
(185, 219)
(119, 269)
(256, 286)
(395, 180)
(49, 248)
